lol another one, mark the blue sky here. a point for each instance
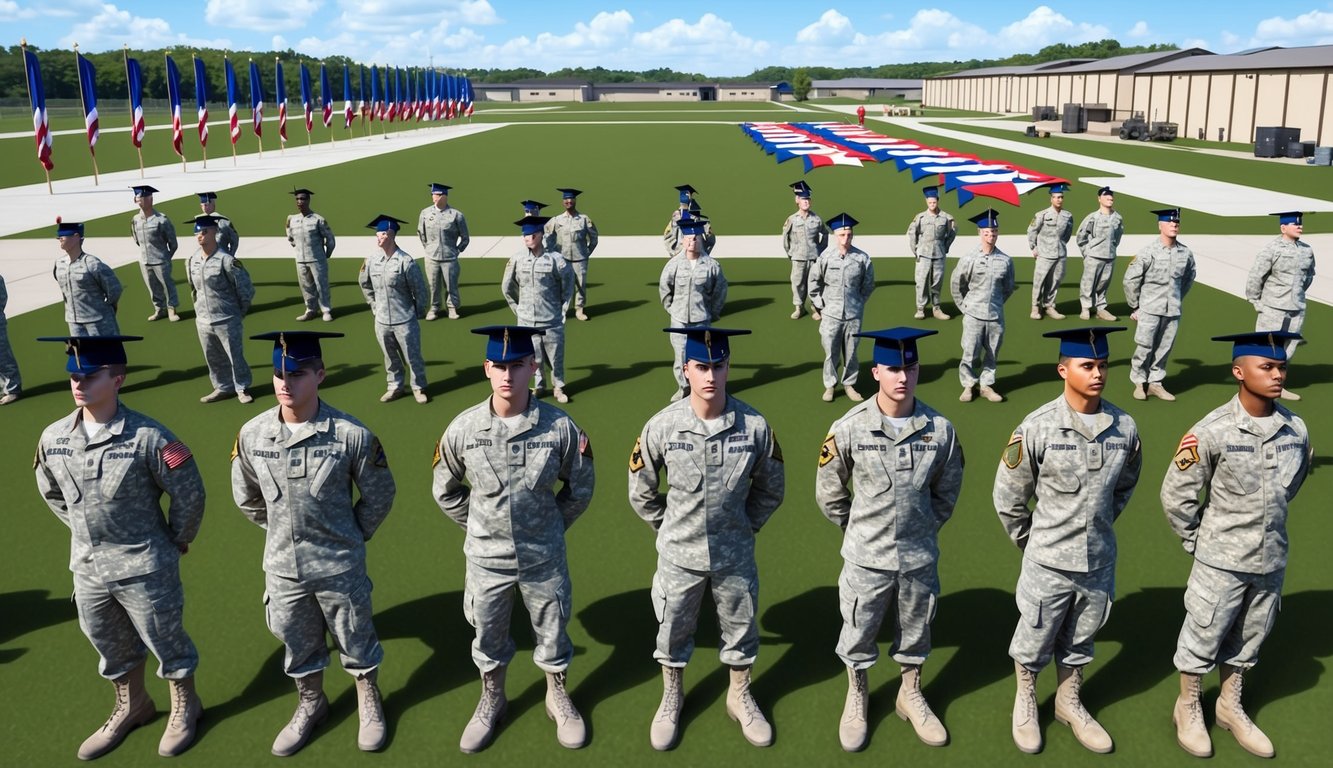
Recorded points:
(718, 38)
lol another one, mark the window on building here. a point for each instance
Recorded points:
(534, 93)
(552, 93)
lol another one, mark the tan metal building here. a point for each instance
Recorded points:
(622, 92)
(866, 88)
(534, 90)
(747, 92)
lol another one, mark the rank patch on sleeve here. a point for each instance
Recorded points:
(235, 447)
(377, 455)
(1187, 454)
(175, 453)
(1013, 452)
(585, 445)
(828, 451)
(436, 459)
(636, 462)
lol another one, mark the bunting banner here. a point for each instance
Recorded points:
(451, 97)
(41, 122)
(395, 96)
(134, 81)
(467, 96)
(306, 102)
(420, 105)
(280, 96)
(174, 99)
(831, 143)
(256, 100)
(88, 93)
(374, 92)
(325, 96)
(201, 99)
(233, 102)
(347, 97)
(361, 93)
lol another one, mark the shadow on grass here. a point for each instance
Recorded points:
(624, 623)
(269, 683)
(29, 611)
(472, 310)
(1301, 642)
(758, 283)
(767, 373)
(346, 374)
(806, 627)
(1033, 375)
(1145, 624)
(977, 622)
(603, 375)
(601, 309)
(737, 306)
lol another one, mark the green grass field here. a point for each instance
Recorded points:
(618, 371)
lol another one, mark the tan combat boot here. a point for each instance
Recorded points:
(1035, 314)
(133, 708)
(666, 723)
(742, 708)
(1027, 733)
(1054, 313)
(490, 710)
(1158, 391)
(912, 707)
(852, 394)
(852, 728)
(1191, 731)
(570, 730)
(312, 707)
(1069, 710)
(371, 734)
(991, 395)
(940, 314)
(1231, 715)
(186, 710)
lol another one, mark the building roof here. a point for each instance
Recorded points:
(739, 84)
(1026, 69)
(1308, 57)
(651, 86)
(535, 84)
(1135, 61)
(866, 82)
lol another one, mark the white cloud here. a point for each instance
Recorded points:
(1043, 27)
(1313, 28)
(1194, 42)
(1230, 41)
(604, 31)
(1139, 30)
(279, 43)
(831, 29)
(261, 14)
(697, 44)
(12, 11)
(111, 27)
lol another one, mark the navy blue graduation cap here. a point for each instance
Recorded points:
(1059, 189)
(896, 346)
(686, 192)
(386, 223)
(1085, 342)
(567, 193)
(532, 206)
(301, 191)
(691, 225)
(1288, 217)
(437, 188)
(1104, 191)
(206, 196)
(987, 219)
(842, 221)
(1269, 344)
(143, 190)
(801, 188)
(531, 225)
(89, 353)
(1167, 214)
(67, 228)
(291, 348)
(929, 192)
(707, 344)
(204, 221)
(508, 343)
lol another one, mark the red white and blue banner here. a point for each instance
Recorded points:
(280, 96)
(256, 100)
(201, 99)
(174, 98)
(467, 96)
(306, 102)
(347, 97)
(134, 80)
(88, 92)
(325, 96)
(41, 123)
(233, 102)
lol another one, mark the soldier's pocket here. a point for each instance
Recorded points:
(268, 612)
(1200, 604)
(168, 605)
(1238, 479)
(332, 467)
(1029, 609)
(659, 598)
(541, 470)
(684, 476)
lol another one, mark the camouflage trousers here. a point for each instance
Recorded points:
(401, 345)
(839, 340)
(678, 356)
(1060, 613)
(1153, 339)
(866, 596)
(1228, 615)
(929, 277)
(1273, 319)
(550, 351)
(161, 288)
(488, 605)
(1095, 282)
(677, 595)
(224, 354)
(107, 326)
(300, 612)
(10, 381)
(1047, 275)
(580, 269)
(313, 277)
(442, 279)
(126, 619)
(800, 274)
(980, 338)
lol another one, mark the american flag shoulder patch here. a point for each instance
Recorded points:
(585, 445)
(1187, 453)
(175, 453)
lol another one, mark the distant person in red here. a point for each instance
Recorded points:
(861, 115)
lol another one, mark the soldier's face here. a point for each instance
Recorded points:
(1293, 231)
(297, 389)
(386, 239)
(208, 206)
(708, 381)
(91, 390)
(1084, 375)
(71, 244)
(1262, 377)
(207, 238)
(533, 241)
(1057, 201)
(933, 204)
(1169, 228)
(988, 236)
(510, 381)
(568, 202)
(440, 200)
(802, 204)
(303, 203)
(843, 237)
(1107, 200)
(145, 202)
(690, 245)
(897, 382)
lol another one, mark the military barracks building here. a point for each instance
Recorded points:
(581, 90)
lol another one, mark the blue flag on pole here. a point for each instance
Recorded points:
(325, 95)
(233, 101)
(41, 123)
(88, 90)
(201, 99)
(374, 92)
(347, 97)
(174, 98)
(256, 100)
(134, 80)
(305, 99)
(280, 95)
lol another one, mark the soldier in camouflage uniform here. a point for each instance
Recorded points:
(393, 286)
(804, 237)
(906, 465)
(573, 235)
(1079, 457)
(1282, 273)
(228, 239)
(103, 470)
(90, 288)
(1155, 286)
(156, 237)
(293, 469)
(981, 283)
(929, 237)
(538, 285)
(11, 384)
(310, 235)
(443, 233)
(840, 284)
(1098, 238)
(1226, 496)
(222, 292)
(512, 450)
(725, 476)
(693, 291)
(689, 207)
(1048, 238)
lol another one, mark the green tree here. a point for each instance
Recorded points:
(800, 84)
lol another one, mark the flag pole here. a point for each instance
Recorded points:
(126, 54)
(323, 78)
(309, 138)
(202, 146)
(230, 140)
(91, 151)
(23, 43)
(184, 168)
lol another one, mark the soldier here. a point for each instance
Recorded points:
(688, 205)
(156, 237)
(573, 235)
(443, 233)
(1246, 459)
(222, 292)
(396, 292)
(804, 237)
(1155, 286)
(1048, 237)
(11, 384)
(693, 291)
(725, 479)
(982, 282)
(313, 240)
(1079, 457)
(1098, 238)
(906, 464)
(228, 239)
(512, 449)
(840, 284)
(1281, 274)
(929, 237)
(90, 288)
(124, 554)
(293, 469)
(538, 285)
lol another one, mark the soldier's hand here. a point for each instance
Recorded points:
(1134, 315)
(184, 548)
(1034, 254)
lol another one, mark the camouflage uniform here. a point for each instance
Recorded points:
(92, 291)
(671, 237)
(156, 238)
(313, 240)
(538, 288)
(929, 237)
(1048, 237)
(1248, 471)
(906, 484)
(575, 237)
(1155, 286)
(839, 287)
(803, 239)
(228, 239)
(693, 293)
(443, 234)
(981, 284)
(1281, 274)
(1098, 238)
(10, 381)
(1081, 477)
(124, 554)
(396, 292)
(515, 523)
(222, 293)
(724, 483)
(295, 482)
